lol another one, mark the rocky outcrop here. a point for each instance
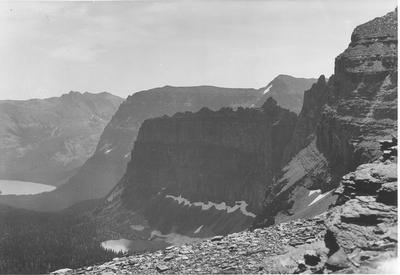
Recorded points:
(238, 253)
(363, 224)
(46, 140)
(338, 131)
(207, 169)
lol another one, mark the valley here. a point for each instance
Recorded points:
(298, 176)
(47, 140)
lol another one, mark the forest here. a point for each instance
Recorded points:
(34, 242)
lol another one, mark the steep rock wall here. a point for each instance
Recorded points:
(338, 132)
(202, 170)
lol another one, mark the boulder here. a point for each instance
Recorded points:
(388, 193)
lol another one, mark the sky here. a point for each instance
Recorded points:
(51, 48)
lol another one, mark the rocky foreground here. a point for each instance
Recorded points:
(357, 235)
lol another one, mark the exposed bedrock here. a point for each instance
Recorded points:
(216, 162)
(340, 123)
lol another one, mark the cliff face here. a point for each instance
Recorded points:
(362, 103)
(340, 122)
(204, 170)
(46, 140)
(217, 156)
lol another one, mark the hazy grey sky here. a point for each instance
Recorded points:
(49, 48)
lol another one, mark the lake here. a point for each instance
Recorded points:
(16, 187)
(124, 245)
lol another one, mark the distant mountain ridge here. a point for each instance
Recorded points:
(285, 90)
(101, 172)
(46, 140)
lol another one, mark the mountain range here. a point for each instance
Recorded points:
(47, 140)
(107, 164)
(299, 176)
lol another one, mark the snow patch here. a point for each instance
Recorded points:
(312, 192)
(137, 227)
(320, 196)
(391, 266)
(62, 271)
(197, 231)
(267, 88)
(240, 205)
(106, 148)
(127, 155)
(173, 238)
(115, 193)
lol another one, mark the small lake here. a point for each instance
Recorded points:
(121, 245)
(124, 245)
(16, 187)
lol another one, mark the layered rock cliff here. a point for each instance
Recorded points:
(46, 140)
(340, 122)
(201, 174)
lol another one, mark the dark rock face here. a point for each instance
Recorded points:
(338, 131)
(314, 100)
(216, 156)
(46, 140)
(203, 170)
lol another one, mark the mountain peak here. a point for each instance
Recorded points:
(287, 90)
(385, 26)
(372, 51)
